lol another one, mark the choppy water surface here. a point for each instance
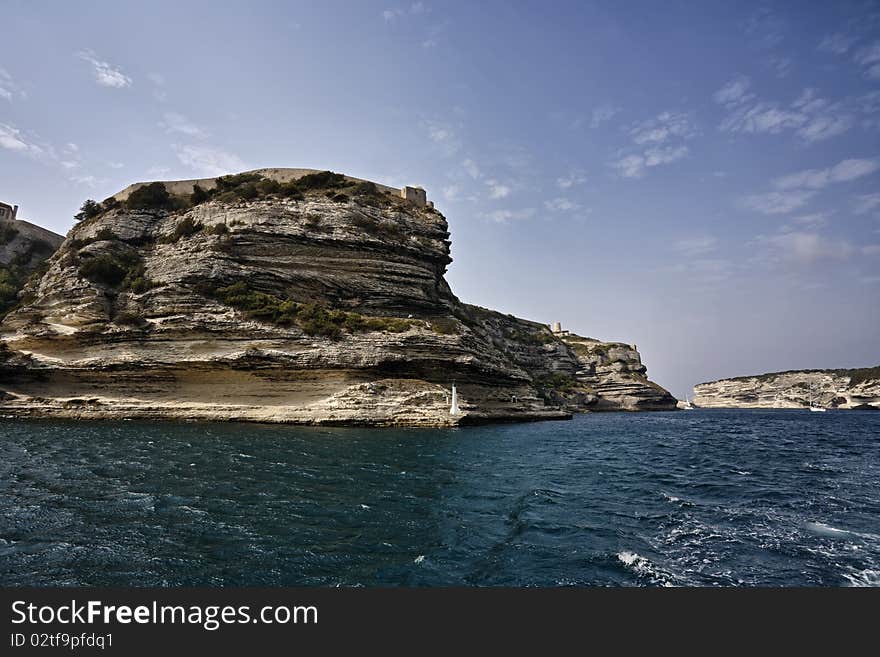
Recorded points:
(686, 498)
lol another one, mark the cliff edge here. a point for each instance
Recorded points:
(269, 296)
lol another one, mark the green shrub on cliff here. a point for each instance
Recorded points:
(153, 196)
(185, 227)
(312, 318)
(123, 271)
(88, 210)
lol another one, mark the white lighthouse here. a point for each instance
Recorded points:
(453, 410)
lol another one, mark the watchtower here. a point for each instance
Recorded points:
(8, 212)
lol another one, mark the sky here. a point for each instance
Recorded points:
(701, 179)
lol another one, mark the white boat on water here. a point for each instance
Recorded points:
(813, 407)
(687, 406)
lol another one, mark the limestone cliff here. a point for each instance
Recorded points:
(854, 388)
(307, 298)
(24, 248)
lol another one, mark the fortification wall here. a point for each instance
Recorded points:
(282, 175)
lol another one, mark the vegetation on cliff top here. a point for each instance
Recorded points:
(856, 375)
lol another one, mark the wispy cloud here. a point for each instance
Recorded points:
(497, 190)
(158, 82)
(795, 190)
(12, 139)
(662, 128)
(656, 141)
(471, 168)
(602, 114)
(443, 135)
(837, 43)
(106, 74)
(697, 246)
(173, 122)
(503, 216)
(867, 203)
(561, 204)
(819, 178)
(633, 166)
(868, 58)
(209, 161)
(393, 13)
(763, 29)
(807, 247)
(734, 92)
(811, 117)
(573, 178)
(9, 88)
(778, 202)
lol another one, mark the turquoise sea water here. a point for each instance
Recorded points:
(686, 498)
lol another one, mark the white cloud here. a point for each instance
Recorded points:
(561, 204)
(443, 135)
(665, 155)
(8, 87)
(630, 166)
(819, 178)
(503, 216)
(650, 139)
(105, 74)
(157, 172)
(633, 166)
(663, 127)
(574, 177)
(807, 247)
(869, 58)
(867, 203)
(209, 161)
(414, 9)
(813, 221)
(178, 123)
(11, 139)
(471, 168)
(452, 192)
(811, 117)
(733, 92)
(497, 190)
(871, 249)
(602, 114)
(695, 246)
(116, 165)
(781, 65)
(836, 44)
(778, 202)
(87, 179)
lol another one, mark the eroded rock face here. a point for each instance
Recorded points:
(615, 373)
(855, 388)
(308, 310)
(24, 248)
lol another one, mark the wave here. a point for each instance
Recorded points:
(643, 567)
(860, 578)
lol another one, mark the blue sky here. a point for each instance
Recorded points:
(701, 179)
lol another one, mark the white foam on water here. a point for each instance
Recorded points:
(364, 507)
(827, 530)
(861, 578)
(419, 559)
(643, 567)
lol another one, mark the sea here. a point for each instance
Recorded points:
(687, 498)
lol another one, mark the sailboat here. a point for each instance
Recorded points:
(687, 404)
(813, 407)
